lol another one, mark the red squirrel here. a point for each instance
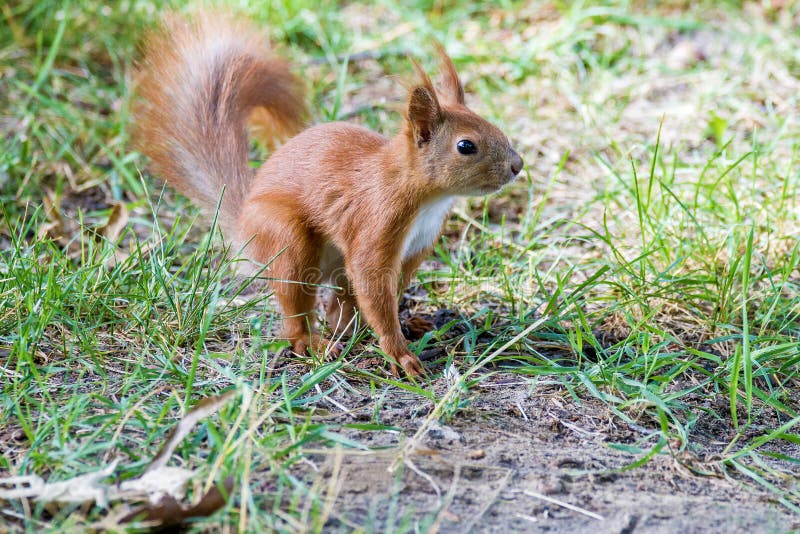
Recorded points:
(337, 203)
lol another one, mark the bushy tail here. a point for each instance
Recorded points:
(199, 82)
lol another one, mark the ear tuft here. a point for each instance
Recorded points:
(452, 90)
(424, 112)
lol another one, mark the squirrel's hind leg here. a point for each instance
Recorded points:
(293, 256)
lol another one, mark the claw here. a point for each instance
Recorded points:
(411, 365)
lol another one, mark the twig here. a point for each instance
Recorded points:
(522, 411)
(526, 517)
(564, 505)
(574, 428)
(426, 476)
(335, 403)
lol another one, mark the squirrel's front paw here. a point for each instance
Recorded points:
(410, 364)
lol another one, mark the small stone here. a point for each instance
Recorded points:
(477, 454)
(438, 431)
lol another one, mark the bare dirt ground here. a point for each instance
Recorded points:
(530, 454)
(494, 467)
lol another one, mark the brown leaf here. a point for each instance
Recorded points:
(203, 409)
(60, 228)
(160, 486)
(117, 220)
(168, 511)
(54, 227)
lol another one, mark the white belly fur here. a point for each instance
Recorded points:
(426, 226)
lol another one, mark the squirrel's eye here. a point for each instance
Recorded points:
(466, 147)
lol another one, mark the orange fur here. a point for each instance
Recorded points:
(336, 203)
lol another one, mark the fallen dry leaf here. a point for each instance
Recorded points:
(58, 228)
(160, 486)
(80, 489)
(112, 230)
(117, 220)
(168, 511)
(202, 409)
(155, 484)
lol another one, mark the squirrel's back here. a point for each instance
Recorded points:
(198, 84)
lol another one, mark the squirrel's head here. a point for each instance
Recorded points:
(461, 152)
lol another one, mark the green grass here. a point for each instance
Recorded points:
(648, 258)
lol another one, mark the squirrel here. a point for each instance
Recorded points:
(337, 202)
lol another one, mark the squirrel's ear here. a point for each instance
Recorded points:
(452, 90)
(424, 112)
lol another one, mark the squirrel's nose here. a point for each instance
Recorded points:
(516, 162)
